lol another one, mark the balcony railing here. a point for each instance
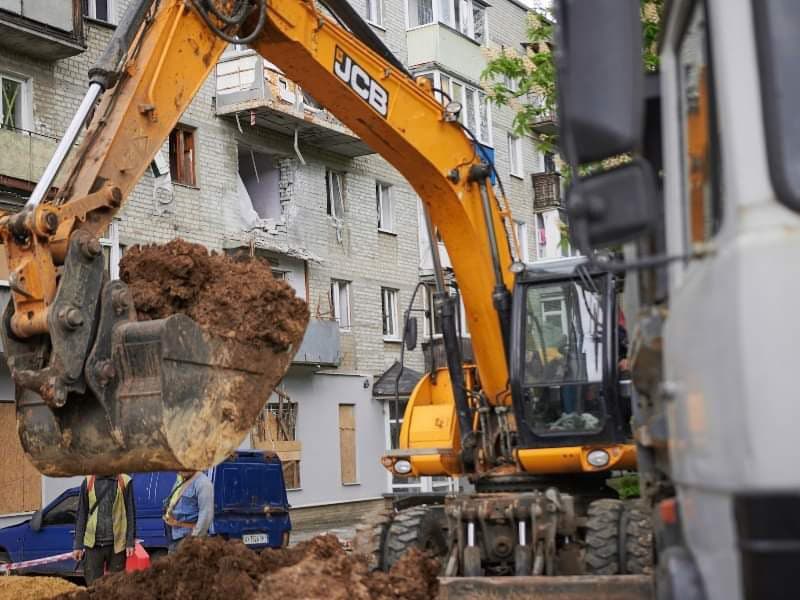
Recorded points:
(45, 30)
(546, 191)
(256, 93)
(321, 345)
(546, 123)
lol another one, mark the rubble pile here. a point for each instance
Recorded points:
(230, 297)
(18, 587)
(213, 568)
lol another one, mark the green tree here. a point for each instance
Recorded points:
(526, 82)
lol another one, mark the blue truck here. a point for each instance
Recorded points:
(250, 504)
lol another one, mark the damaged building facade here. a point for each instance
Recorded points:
(256, 166)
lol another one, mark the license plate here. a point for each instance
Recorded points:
(251, 539)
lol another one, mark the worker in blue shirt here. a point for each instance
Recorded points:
(189, 509)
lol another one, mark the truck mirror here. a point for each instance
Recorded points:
(410, 333)
(614, 206)
(36, 521)
(600, 78)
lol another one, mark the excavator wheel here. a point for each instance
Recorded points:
(638, 538)
(371, 536)
(603, 537)
(419, 527)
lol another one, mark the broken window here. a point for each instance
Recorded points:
(340, 302)
(11, 107)
(334, 189)
(391, 328)
(385, 202)
(182, 155)
(347, 443)
(276, 430)
(261, 177)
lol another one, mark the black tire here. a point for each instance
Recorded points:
(602, 537)
(370, 537)
(4, 557)
(638, 538)
(422, 527)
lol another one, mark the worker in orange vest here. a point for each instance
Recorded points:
(105, 530)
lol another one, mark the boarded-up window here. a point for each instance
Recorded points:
(182, 155)
(20, 482)
(276, 430)
(347, 443)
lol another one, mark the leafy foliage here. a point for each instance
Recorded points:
(627, 486)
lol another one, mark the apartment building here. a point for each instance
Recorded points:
(257, 166)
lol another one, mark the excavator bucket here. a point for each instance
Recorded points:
(177, 399)
(105, 393)
(596, 587)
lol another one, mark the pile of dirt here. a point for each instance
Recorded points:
(230, 297)
(33, 588)
(212, 568)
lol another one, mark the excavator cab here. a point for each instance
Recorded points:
(564, 357)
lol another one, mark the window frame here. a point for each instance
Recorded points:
(380, 7)
(180, 131)
(384, 198)
(429, 320)
(336, 288)
(330, 174)
(515, 167)
(463, 9)
(480, 100)
(25, 106)
(115, 249)
(521, 231)
(389, 314)
(91, 11)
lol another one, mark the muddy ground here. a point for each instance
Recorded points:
(231, 297)
(212, 568)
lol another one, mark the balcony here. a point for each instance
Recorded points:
(546, 191)
(546, 124)
(254, 92)
(44, 30)
(321, 345)
(439, 44)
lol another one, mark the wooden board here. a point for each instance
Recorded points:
(347, 442)
(20, 482)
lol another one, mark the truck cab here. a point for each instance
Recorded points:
(250, 504)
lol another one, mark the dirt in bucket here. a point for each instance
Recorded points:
(213, 568)
(20, 587)
(230, 297)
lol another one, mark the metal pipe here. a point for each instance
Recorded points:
(522, 532)
(471, 533)
(64, 146)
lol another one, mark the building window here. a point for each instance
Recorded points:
(549, 162)
(521, 230)
(385, 202)
(102, 10)
(340, 302)
(433, 328)
(276, 430)
(515, 155)
(12, 107)
(334, 189)
(112, 250)
(391, 327)
(541, 237)
(420, 12)
(375, 12)
(475, 113)
(347, 443)
(182, 155)
(465, 16)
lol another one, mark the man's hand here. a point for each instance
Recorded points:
(77, 554)
(128, 552)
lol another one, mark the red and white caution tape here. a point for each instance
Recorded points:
(6, 568)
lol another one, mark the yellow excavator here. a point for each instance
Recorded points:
(537, 422)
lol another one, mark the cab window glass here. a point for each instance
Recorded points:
(702, 209)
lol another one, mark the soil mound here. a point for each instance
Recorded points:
(212, 569)
(230, 297)
(18, 587)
